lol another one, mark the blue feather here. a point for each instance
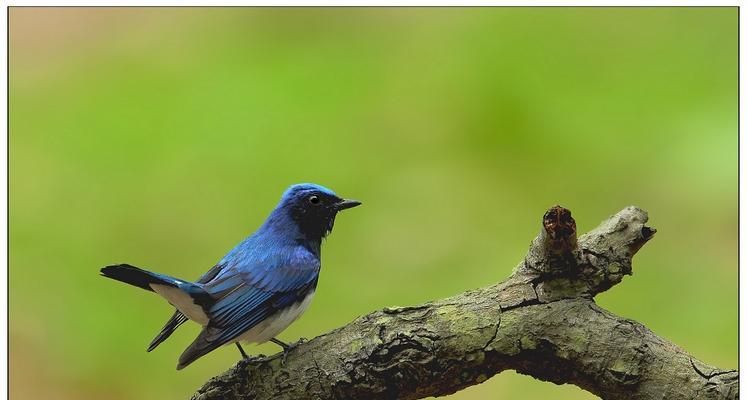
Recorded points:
(275, 268)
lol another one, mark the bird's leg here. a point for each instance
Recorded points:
(243, 354)
(287, 347)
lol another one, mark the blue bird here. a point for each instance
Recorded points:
(260, 287)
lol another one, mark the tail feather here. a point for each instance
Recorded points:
(190, 299)
(174, 322)
(138, 277)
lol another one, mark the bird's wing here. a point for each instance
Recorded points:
(177, 319)
(246, 295)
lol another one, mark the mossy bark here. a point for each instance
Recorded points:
(542, 321)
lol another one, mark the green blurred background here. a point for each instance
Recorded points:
(161, 137)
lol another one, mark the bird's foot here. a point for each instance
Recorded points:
(251, 359)
(287, 347)
(247, 359)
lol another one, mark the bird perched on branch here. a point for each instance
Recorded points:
(260, 287)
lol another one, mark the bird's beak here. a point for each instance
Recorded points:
(346, 203)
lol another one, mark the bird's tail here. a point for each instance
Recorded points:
(139, 277)
(174, 322)
(189, 298)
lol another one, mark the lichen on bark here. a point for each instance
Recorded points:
(541, 321)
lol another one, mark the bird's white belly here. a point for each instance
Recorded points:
(273, 325)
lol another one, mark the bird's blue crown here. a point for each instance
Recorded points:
(301, 189)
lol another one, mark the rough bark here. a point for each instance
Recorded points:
(542, 321)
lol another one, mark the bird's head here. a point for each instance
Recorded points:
(313, 208)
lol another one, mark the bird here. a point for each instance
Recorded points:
(259, 287)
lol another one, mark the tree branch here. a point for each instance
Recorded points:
(542, 321)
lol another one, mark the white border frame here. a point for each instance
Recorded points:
(381, 3)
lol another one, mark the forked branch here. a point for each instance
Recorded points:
(542, 321)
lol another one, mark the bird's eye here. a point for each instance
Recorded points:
(314, 199)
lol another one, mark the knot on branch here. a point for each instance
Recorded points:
(559, 266)
(560, 229)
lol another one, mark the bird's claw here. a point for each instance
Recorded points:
(290, 346)
(250, 359)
